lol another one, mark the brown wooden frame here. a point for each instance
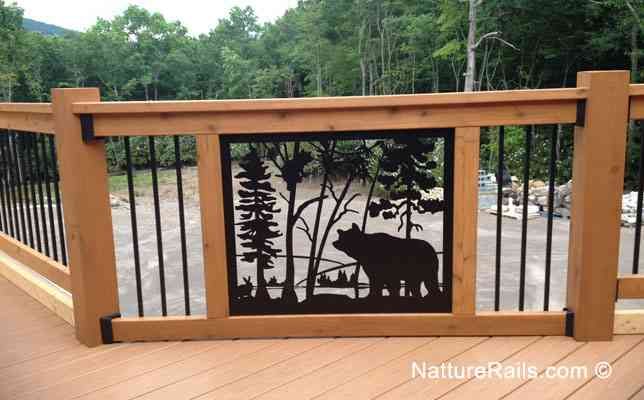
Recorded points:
(45, 266)
(480, 324)
(465, 223)
(37, 117)
(637, 102)
(598, 176)
(25, 277)
(88, 217)
(212, 226)
(466, 112)
(591, 289)
(630, 287)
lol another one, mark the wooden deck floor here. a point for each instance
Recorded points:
(40, 359)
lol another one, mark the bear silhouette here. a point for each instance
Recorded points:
(388, 260)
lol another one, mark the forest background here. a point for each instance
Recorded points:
(336, 48)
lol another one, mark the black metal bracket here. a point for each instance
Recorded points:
(570, 322)
(87, 128)
(581, 113)
(107, 334)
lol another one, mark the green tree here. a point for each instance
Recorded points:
(11, 33)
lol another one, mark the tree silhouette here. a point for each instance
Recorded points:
(257, 204)
(406, 172)
(292, 170)
(355, 165)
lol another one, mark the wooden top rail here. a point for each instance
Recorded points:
(521, 107)
(637, 101)
(331, 103)
(28, 117)
(35, 108)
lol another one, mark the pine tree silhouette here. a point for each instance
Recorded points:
(406, 172)
(257, 227)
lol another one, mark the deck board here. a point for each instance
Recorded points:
(398, 371)
(624, 382)
(226, 374)
(639, 395)
(224, 352)
(41, 359)
(540, 354)
(289, 370)
(496, 349)
(346, 369)
(41, 365)
(587, 355)
(161, 355)
(58, 375)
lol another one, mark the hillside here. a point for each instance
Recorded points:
(44, 28)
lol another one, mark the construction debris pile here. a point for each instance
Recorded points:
(537, 200)
(562, 201)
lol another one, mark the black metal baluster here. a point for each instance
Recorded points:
(499, 219)
(135, 229)
(13, 209)
(31, 176)
(59, 209)
(6, 221)
(24, 177)
(41, 198)
(182, 224)
(18, 185)
(3, 192)
(50, 207)
(157, 220)
(638, 218)
(551, 203)
(524, 216)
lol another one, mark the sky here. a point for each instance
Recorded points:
(199, 16)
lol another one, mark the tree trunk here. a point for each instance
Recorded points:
(383, 71)
(363, 61)
(413, 73)
(288, 292)
(408, 236)
(261, 293)
(332, 221)
(470, 73)
(310, 282)
(635, 68)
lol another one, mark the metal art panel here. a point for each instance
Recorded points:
(343, 222)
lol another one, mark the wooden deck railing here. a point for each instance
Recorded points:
(599, 107)
(43, 259)
(632, 286)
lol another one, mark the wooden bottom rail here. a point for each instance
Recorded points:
(200, 327)
(630, 287)
(40, 263)
(629, 322)
(51, 296)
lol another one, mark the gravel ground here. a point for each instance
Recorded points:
(511, 242)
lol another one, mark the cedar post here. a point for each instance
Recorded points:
(598, 183)
(88, 217)
(465, 192)
(213, 225)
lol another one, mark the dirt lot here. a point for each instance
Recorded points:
(432, 224)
